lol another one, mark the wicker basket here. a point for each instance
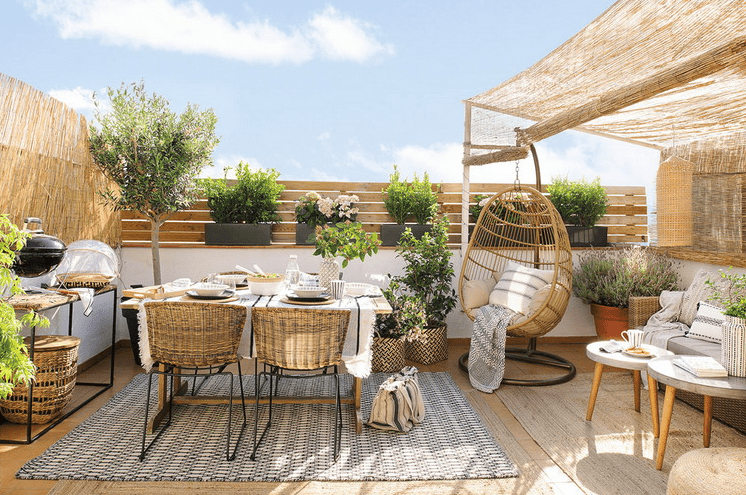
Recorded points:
(388, 355)
(84, 280)
(433, 349)
(56, 360)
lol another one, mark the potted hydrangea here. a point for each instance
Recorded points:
(312, 210)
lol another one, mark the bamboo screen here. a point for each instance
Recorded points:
(626, 216)
(46, 170)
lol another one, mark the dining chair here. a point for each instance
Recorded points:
(292, 340)
(195, 336)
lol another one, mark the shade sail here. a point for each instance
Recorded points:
(653, 72)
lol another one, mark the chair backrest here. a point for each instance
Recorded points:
(521, 225)
(299, 338)
(194, 333)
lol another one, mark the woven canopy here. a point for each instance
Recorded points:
(652, 72)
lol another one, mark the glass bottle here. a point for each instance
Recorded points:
(292, 272)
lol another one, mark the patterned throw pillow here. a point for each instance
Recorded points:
(707, 323)
(517, 286)
(698, 291)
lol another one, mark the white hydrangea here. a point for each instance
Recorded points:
(326, 206)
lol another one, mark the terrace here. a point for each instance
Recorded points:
(543, 430)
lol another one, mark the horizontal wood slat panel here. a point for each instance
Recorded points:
(626, 216)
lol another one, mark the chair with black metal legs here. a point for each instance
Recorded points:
(298, 340)
(194, 336)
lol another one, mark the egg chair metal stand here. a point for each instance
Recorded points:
(520, 225)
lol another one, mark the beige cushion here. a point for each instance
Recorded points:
(696, 292)
(517, 286)
(476, 293)
(707, 325)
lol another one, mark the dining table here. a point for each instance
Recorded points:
(356, 354)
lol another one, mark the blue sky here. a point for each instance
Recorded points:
(332, 90)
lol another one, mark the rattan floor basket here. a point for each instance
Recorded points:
(433, 349)
(56, 360)
(388, 355)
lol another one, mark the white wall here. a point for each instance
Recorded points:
(198, 262)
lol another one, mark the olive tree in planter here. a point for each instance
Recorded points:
(580, 204)
(404, 200)
(244, 211)
(428, 276)
(15, 365)
(152, 155)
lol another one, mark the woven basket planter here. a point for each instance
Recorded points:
(432, 349)
(56, 361)
(388, 355)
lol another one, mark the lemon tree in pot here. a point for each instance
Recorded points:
(15, 365)
(428, 275)
(606, 279)
(580, 204)
(243, 211)
(404, 201)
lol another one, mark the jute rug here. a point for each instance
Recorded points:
(452, 443)
(615, 452)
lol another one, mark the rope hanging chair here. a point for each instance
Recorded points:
(520, 225)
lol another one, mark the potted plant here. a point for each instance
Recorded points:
(152, 155)
(606, 279)
(405, 323)
(580, 204)
(15, 365)
(404, 200)
(313, 210)
(346, 239)
(428, 275)
(733, 301)
(244, 211)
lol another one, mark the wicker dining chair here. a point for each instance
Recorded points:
(298, 340)
(197, 336)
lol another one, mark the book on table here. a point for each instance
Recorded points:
(702, 366)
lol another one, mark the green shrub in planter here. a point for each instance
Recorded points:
(398, 198)
(580, 203)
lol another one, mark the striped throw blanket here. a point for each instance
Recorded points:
(487, 351)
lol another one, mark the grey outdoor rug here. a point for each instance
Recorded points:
(451, 443)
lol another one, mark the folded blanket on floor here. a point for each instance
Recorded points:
(487, 351)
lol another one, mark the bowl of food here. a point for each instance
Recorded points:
(265, 284)
(208, 289)
(235, 279)
(307, 291)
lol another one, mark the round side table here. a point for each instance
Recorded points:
(673, 377)
(627, 362)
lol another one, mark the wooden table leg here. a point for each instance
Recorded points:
(637, 381)
(164, 399)
(357, 391)
(665, 425)
(653, 391)
(597, 372)
(707, 430)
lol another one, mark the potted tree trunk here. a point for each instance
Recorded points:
(607, 279)
(244, 211)
(403, 200)
(406, 322)
(580, 204)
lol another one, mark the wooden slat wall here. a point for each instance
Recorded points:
(626, 216)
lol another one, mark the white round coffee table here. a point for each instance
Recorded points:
(627, 362)
(663, 370)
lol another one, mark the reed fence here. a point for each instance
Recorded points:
(626, 217)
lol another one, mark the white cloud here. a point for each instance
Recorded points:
(189, 27)
(221, 162)
(442, 162)
(324, 136)
(80, 100)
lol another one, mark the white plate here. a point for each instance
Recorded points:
(207, 289)
(643, 354)
(356, 289)
(301, 291)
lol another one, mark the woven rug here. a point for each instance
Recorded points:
(451, 443)
(615, 452)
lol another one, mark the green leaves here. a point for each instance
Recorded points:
(254, 198)
(579, 203)
(730, 293)
(416, 199)
(346, 239)
(611, 277)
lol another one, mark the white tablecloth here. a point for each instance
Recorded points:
(356, 354)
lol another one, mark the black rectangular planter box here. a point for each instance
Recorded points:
(238, 234)
(587, 236)
(391, 232)
(302, 232)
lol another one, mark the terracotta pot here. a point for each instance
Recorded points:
(610, 321)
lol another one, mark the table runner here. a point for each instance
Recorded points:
(356, 353)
